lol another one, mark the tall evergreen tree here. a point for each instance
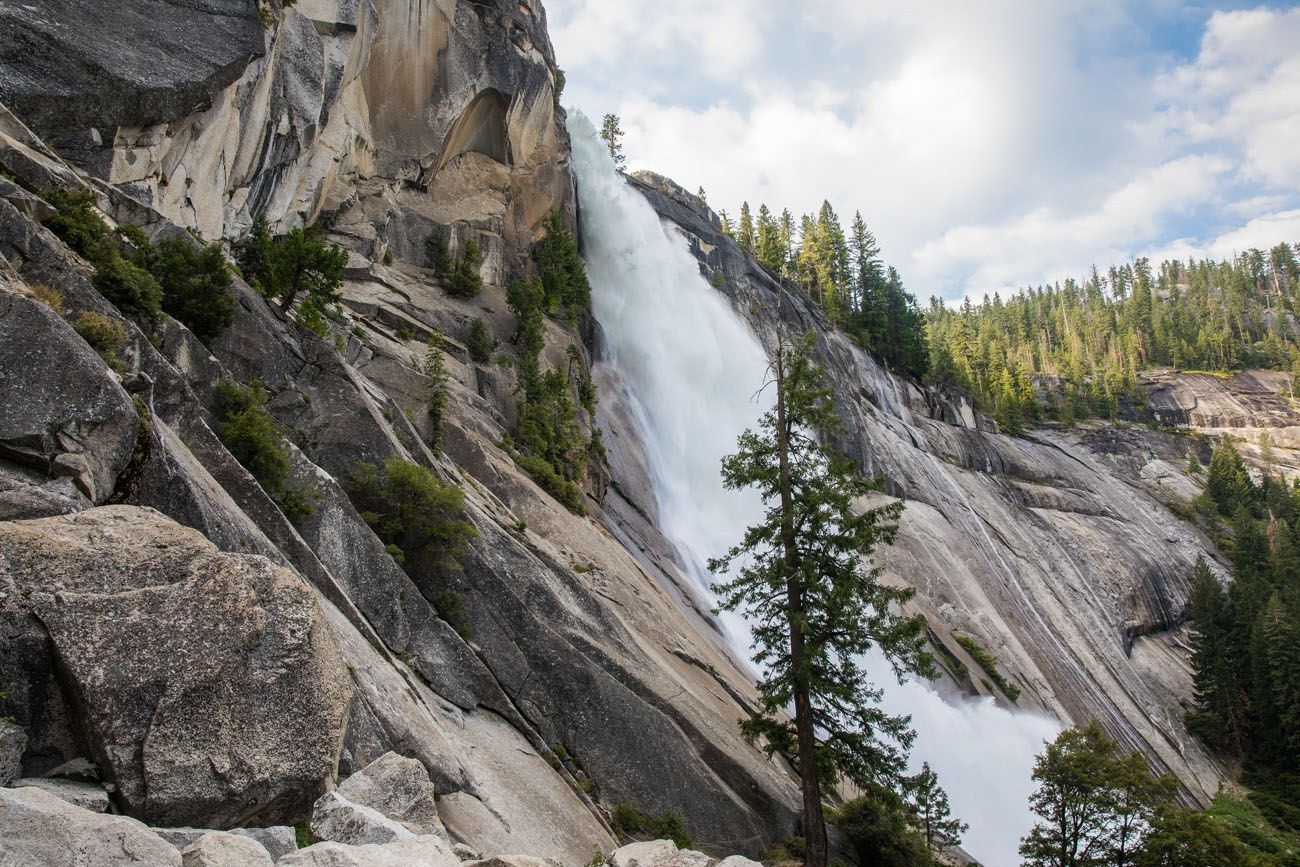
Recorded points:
(745, 231)
(768, 249)
(928, 803)
(436, 369)
(815, 608)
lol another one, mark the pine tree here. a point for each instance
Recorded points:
(612, 134)
(933, 815)
(816, 610)
(1217, 718)
(435, 368)
(1275, 662)
(745, 231)
(786, 239)
(768, 243)
(1227, 484)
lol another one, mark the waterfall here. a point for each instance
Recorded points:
(693, 368)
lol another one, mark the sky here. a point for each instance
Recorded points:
(988, 145)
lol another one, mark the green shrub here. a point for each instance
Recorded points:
(76, 222)
(879, 831)
(789, 849)
(480, 342)
(410, 507)
(195, 285)
(251, 435)
(548, 442)
(128, 287)
(104, 335)
(441, 254)
(989, 663)
(629, 822)
(288, 266)
(299, 503)
(562, 272)
(435, 368)
(453, 608)
(567, 493)
(464, 281)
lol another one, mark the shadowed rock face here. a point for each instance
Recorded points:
(66, 71)
(1054, 549)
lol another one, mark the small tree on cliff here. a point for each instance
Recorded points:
(928, 803)
(816, 604)
(612, 134)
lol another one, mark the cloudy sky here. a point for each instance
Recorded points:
(988, 145)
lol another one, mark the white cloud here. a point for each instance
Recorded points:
(988, 145)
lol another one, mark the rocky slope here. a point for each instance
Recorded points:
(1060, 551)
(583, 681)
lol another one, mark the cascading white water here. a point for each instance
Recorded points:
(693, 368)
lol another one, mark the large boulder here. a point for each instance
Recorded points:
(337, 819)
(427, 851)
(219, 849)
(38, 829)
(399, 788)
(87, 796)
(211, 690)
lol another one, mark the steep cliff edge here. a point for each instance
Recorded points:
(577, 680)
(1059, 551)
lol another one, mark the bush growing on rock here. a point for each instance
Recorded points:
(411, 508)
(75, 222)
(440, 253)
(293, 265)
(128, 287)
(465, 281)
(104, 335)
(879, 830)
(629, 822)
(547, 443)
(195, 285)
(144, 280)
(436, 369)
(564, 276)
(251, 435)
(254, 439)
(480, 342)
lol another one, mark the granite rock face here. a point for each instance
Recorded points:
(236, 716)
(66, 72)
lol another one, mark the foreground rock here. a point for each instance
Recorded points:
(428, 851)
(88, 796)
(38, 829)
(399, 788)
(237, 718)
(219, 849)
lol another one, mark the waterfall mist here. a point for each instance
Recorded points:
(693, 368)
